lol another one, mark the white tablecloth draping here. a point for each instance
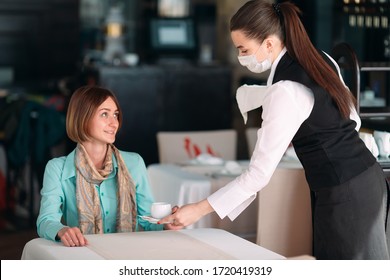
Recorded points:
(279, 219)
(180, 185)
(207, 244)
(176, 186)
(245, 225)
(284, 217)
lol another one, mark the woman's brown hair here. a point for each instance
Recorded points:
(258, 19)
(82, 106)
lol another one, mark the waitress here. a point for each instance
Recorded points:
(306, 103)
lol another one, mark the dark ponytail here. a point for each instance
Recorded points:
(259, 19)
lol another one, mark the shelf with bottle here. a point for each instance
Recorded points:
(373, 77)
(375, 66)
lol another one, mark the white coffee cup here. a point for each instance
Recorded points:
(160, 210)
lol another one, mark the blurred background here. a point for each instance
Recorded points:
(171, 64)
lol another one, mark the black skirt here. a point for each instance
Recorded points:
(349, 220)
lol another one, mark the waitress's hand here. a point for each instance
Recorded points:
(171, 226)
(188, 214)
(72, 237)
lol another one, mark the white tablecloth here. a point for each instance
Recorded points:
(284, 218)
(207, 244)
(279, 219)
(179, 187)
(245, 225)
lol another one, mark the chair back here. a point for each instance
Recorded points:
(175, 146)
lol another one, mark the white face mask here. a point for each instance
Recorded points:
(250, 62)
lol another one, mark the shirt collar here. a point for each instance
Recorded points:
(273, 67)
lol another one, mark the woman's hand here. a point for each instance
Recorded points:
(171, 226)
(188, 214)
(72, 237)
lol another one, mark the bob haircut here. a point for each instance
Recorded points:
(82, 107)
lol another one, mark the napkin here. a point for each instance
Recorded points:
(250, 97)
(208, 159)
(232, 167)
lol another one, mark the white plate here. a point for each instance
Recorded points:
(151, 219)
(195, 162)
(206, 160)
(224, 173)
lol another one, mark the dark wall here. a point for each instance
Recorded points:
(309, 16)
(165, 98)
(39, 39)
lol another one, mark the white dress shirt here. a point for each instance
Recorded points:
(286, 105)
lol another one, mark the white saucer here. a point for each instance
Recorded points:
(151, 219)
(195, 162)
(225, 173)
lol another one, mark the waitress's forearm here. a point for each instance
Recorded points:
(204, 207)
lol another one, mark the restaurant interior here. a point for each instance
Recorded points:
(181, 83)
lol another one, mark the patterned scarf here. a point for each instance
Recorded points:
(87, 197)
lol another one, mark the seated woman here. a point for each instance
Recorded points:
(96, 188)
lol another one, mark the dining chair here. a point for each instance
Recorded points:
(181, 146)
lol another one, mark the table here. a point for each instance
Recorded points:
(279, 219)
(186, 244)
(245, 225)
(180, 185)
(284, 217)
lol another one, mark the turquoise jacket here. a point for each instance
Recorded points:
(58, 202)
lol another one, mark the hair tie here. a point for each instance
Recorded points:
(277, 9)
